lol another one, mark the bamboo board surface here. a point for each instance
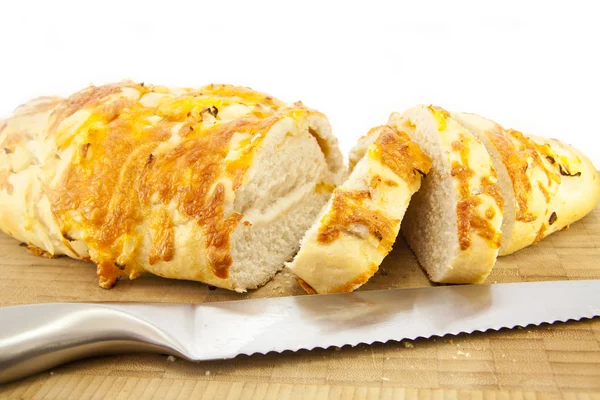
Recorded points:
(550, 361)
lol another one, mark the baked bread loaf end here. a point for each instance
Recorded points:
(216, 184)
(547, 184)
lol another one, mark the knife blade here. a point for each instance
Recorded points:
(34, 338)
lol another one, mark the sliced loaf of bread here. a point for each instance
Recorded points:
(359, 224)
(216, 184)
(453, 222)
(546, 184)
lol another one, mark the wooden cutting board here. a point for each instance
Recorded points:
(560, 360)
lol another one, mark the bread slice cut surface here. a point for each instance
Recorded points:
(360, 223)
(453, 222)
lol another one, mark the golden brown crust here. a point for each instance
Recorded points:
(516, 166)
(544, 177)
(467, 216)
(396, 151)
(465, 211)
(241, 94)
(119, 176)
(163, 237)
(344, 248)
(536, 152)
(544, 192)
(485, 229)
(346, 210)
(515, 158)
(492, 189)
(463, 174)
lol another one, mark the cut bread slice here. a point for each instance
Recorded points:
(453, 223)
(359, 225)
(546, 184)
(217, 184)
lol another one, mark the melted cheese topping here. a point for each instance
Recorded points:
(142, 148)
(346, 210)
(520, 155)
(536, 152)
(395, 150)
(467, 216)
(515, 160)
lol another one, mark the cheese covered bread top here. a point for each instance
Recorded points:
(91, 168)
(552, 184)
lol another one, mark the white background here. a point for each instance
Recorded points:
(530, 65)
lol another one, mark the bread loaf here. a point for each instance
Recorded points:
(216, 184)
(359, 225)
(546, 184)
(453, 222)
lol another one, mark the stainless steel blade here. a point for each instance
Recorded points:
(38, 337)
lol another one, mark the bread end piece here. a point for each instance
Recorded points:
(216, 184)
(546, 184)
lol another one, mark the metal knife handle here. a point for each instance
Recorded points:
(34, 338)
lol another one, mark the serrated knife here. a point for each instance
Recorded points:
(34, 338)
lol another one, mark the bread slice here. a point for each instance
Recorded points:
(359, 225)
(216, 184)
(453, 222)
(546, 184)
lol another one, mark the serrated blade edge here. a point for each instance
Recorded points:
(223, 330)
